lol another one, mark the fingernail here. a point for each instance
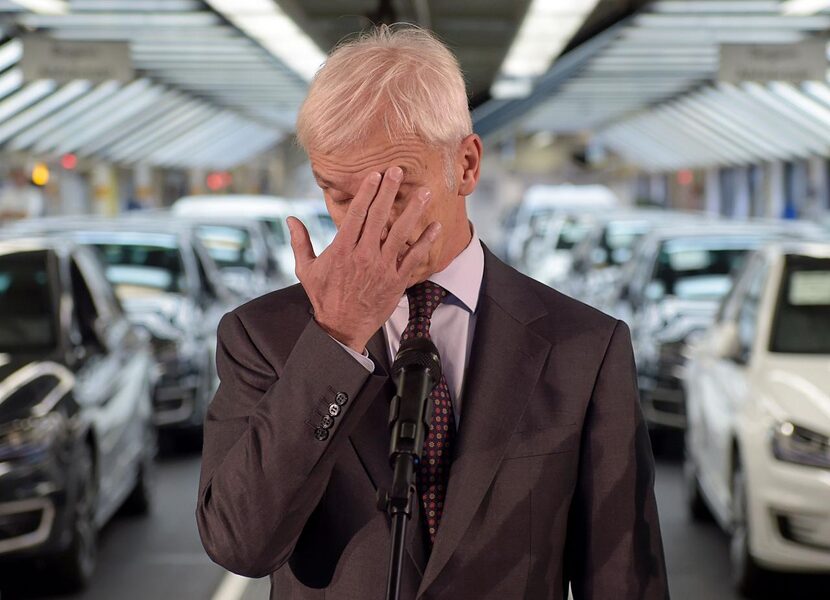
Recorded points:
(433, 234)
(395, 173)
(426, 196)
(374, 177)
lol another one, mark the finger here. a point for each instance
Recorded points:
(379, 210)
(349, 232)
(419, 251)
(401, 231)
(300, 243)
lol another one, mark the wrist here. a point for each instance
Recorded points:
(356, 343)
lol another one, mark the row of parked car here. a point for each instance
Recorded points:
(107, 342)
(730, 323)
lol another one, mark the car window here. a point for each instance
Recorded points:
(698, 271)
(142, 269)
(275, 226)
(228, 246)
(747, 317)
(104, 294)
(731, 303)
(28, 319)
(85, 311)
(207, 287)
(570, 233)
(801, 322)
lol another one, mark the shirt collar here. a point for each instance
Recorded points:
(462, 277)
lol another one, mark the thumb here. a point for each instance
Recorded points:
(300, 242)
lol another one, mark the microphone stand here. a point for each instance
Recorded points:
(409, 415)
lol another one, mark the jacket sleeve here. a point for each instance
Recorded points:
(266, 459)
(614, 548)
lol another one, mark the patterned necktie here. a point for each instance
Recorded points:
(434, 469)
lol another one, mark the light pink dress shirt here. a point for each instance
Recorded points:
(453, 322)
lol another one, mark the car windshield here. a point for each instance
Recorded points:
(138, 269)
(277, 232)
(700, 269)
(228, 246)
(27, 315)
(619, 238)
(801, 324)
(571, 233)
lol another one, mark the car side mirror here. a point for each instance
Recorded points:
(725, 342)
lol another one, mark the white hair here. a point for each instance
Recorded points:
(400, 78)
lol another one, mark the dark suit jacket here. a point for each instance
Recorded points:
(551, 481)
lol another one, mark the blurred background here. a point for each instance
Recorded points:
(665, 161)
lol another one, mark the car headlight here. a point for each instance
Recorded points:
(799, 445)
(30, 436)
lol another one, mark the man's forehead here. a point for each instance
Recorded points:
(336, 167)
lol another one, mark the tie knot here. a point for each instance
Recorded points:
(424, 298)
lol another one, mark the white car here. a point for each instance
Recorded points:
(273, 210)
(540, 202)
(758, 407)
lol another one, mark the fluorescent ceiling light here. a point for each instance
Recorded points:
(136, 5)
(265, 22)
(504, 88)
(546, 29)
(60, 118)
(10, 81)
(128, 21)
(32, 115)
(25, 98)
(10, 54)
(804, 7)
(45, 7)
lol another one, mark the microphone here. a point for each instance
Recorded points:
(416, 370)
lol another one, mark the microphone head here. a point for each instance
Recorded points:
(419, 352)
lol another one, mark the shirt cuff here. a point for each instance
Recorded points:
(363, 359)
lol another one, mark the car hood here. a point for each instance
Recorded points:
(29, 386)
(166, 304)
(798, 389)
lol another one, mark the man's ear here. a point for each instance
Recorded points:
(469, 160)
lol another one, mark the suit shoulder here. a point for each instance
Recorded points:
(286, 299)
(563, 308)
(280, 310)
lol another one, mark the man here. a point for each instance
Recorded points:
(537, 470)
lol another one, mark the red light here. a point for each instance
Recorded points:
(219, 180)
(69, 161)
(685, 177)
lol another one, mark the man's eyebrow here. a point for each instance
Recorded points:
(322, 179)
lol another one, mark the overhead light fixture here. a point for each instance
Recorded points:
(546, 29)
(265, 22)
(804, 7)
(45, 7)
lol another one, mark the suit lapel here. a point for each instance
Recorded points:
(506, 361)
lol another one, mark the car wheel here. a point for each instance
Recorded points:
(76, 565)
(747, 577)
(695, 503)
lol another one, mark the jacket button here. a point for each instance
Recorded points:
(326, 422)
(334, 410)
(341, 398)
(321, 434)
